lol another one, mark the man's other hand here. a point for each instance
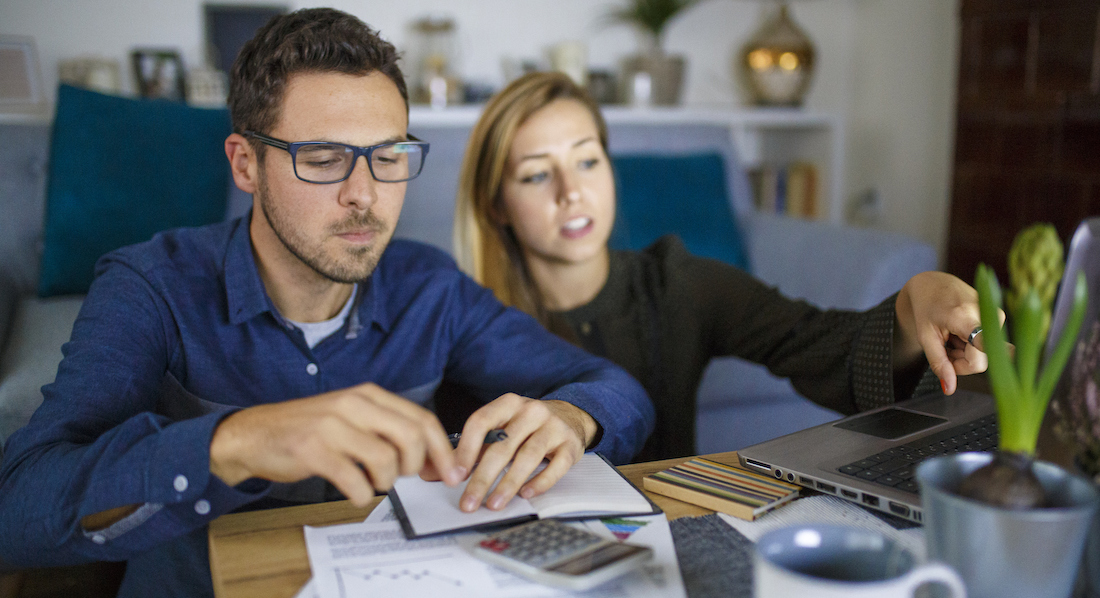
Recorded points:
(360, 439)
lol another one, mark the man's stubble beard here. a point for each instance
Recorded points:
(359, 262)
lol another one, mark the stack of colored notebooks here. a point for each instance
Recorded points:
(723, 488)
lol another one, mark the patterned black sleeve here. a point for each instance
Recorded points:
(874, 381)
(872, 361)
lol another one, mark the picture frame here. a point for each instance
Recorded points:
(159, 73)
(21, 87)
(229, 25)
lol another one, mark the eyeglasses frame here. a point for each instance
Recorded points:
(292, 147)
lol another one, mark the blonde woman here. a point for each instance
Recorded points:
(535, 207)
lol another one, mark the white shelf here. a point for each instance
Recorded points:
(771, 118)
(760, 135)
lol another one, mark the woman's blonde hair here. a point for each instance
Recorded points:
(485, 248)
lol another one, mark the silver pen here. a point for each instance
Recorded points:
(495, 435)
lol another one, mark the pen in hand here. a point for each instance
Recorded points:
(495, 435)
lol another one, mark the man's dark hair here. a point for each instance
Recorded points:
(307, 40)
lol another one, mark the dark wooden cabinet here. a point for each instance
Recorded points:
(1027, 141)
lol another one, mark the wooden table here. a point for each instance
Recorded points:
(262, 554)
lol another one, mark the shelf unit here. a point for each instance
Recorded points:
(760, 135)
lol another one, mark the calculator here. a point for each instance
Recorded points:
(555, 554)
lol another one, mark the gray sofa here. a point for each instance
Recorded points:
(739, 403)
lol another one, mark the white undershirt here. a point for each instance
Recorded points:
(316, 332)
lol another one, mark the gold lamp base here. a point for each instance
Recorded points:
(777, 62)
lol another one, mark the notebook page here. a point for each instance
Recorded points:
(433, 506)
(592, 486)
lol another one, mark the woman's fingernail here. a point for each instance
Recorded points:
(943, 385)
(461, 472)
(527, 492)
(496, 501)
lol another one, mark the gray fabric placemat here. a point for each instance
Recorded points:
(715, 559)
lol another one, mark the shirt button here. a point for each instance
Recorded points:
(586, 328)
(311, 369)
(180, 483)
(99, 539)
(202, 506)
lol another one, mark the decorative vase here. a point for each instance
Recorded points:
(653, 78)
(1090, 564)
(1006, 552)
(777, 62)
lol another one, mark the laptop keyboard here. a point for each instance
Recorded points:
(896, 467)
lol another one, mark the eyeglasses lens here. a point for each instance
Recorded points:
(397, 162)
(327, 163)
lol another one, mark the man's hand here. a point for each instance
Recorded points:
(536, 430)
(936, 312)
(360, 439)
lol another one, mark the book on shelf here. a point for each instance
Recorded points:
(792, 189)
(723, 488)
(591, 489)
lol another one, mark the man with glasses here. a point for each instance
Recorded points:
(288, 357)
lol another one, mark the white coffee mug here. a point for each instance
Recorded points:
(834, 561)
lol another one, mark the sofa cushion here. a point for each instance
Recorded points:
(683, 194)
(32, 355)
(122, 170)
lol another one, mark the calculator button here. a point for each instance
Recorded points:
(495, 544)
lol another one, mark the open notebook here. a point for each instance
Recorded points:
(592, 488)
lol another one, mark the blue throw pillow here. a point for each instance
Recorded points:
(122, 170)
(676, 194)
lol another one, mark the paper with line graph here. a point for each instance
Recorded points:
(375, 559)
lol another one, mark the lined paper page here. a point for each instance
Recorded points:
(433, 506)
(592, 486)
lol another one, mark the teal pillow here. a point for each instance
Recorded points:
(683, 194)
(122, 170)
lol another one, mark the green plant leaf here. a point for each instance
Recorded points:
(1002, 371)
(651, 15)
(1027, 325)
(1058, 358)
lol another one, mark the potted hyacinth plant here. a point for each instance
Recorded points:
(1012, 525)
(1021, 390)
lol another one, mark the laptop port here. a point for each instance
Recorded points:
(849, 494)
(822, 486)
(899, 509)
(778, 474)
(805, 481)
(871, 501)
(790, 477)
(758, 464)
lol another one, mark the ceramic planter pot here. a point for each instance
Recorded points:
(652, 79)
(1001, 553)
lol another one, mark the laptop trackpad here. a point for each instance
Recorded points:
(891, 423)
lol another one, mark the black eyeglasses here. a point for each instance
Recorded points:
(325, 162)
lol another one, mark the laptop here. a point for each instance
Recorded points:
(870, 458)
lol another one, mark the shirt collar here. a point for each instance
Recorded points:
(244, 291)
(247, 298)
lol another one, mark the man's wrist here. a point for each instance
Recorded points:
(223, 451)
(583, 424)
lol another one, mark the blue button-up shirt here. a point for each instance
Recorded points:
(178, 332)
